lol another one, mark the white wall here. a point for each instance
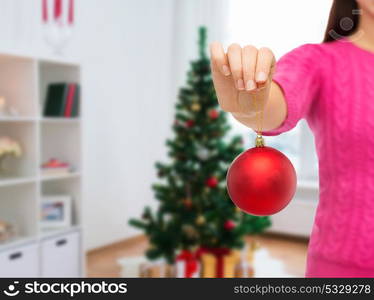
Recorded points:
(125, 49)
(129, 120)
(280, 25)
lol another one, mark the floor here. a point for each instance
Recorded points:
(103, 262)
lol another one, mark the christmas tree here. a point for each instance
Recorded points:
(194, 207)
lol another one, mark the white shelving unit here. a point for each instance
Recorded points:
(36, 252)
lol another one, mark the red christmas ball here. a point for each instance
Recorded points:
(213, 114)
(190, 123)
(261, 181)
(212, 182)
(229, 225)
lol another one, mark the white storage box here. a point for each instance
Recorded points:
(60, 256)
(22, 261)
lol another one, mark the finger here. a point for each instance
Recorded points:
(234, 54)
(265, 61)
(249, 58)
(219, 59)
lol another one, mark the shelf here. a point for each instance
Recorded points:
(59, 176)
(58, 60)
(17, 242)
(56, 120)
(55, 59)
(18, 119)
(47, 233)
(44, 234)
(60, 120)
(16, 181)
(24, 81)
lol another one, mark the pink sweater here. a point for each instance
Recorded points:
(331, 85)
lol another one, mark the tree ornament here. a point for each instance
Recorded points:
(190, 123)
(212, 182)
(187, 203)
(261, 181)
(195, 107)
(200, 220)
(213, 114)
(202, 153)
(190, 231)
(229, 225)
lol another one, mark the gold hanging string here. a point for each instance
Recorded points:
(259, 142)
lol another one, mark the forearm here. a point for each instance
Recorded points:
(274, 112)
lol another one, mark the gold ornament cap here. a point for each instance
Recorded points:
(259, 142)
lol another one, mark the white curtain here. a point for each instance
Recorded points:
(18, 20)
(188, 16)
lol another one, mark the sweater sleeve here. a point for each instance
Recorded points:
(297, 74)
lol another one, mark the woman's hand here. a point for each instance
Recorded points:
(242, 76)
(243, 82)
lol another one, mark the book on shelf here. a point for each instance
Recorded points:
(56, 171)
(55, 167)
(62, 100)
(75, 106)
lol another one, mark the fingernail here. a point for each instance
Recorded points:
(240, 84)
(226, 70)
(261, 77)
(250, 85)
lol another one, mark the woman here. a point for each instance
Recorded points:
(331, 85)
